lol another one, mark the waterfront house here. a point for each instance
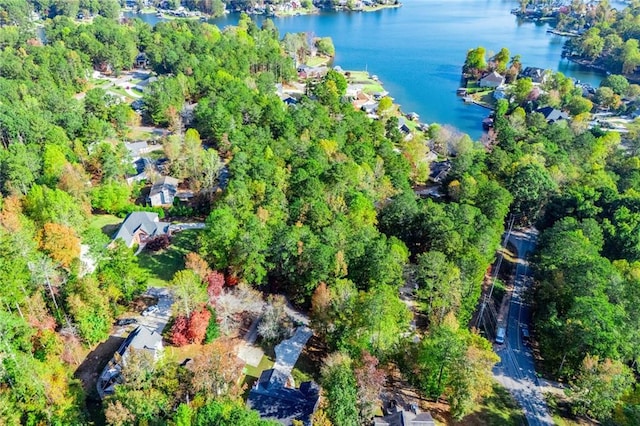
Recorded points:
(553, 115)
(537, 75)
(142, 341)
(163, 191)
(491, 80)
(140, 227)
(404, 129)
(370, 107)
(274, 395)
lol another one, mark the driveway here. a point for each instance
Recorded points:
(158, 320)
(516, 370)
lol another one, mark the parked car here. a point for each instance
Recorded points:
(525, 335)
(500, 335)
(150, 310)
(126, 321)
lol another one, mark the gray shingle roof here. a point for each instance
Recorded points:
(146, 222)
(272, 399)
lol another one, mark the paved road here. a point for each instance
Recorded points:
(516, 371)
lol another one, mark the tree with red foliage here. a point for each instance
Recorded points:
(198, 324)
(158, 243)
(215, 282)
(178, 333)
(231, 280)
(370, 380)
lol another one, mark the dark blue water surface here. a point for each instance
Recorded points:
(417, 50)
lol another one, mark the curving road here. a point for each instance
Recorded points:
(516, 370)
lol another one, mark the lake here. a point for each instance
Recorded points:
(418, 50)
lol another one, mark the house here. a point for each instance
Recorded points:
(141, 60)
(499, 93)
(139, 227)
(305, 71)
(163, 191)
(402, 417)
(491, 80)
(402, 126)
(370, 107)
(553, 115)
(136, 149)
(142, 85)
(274, 395)
(439, 170)
(140, 340)
(405, 418)
(537, 75)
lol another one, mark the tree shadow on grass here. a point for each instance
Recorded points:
(89, 370)
(499, 409)
(163, 265)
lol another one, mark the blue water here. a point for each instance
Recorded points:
(417, 50)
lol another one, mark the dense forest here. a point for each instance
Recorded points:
(319, 207)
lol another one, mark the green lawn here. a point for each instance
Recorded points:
(265, 364)
(316, 61)
(373, 87)
(98, 81)
(498, 409)
(163, 265)
(120, 92)
(107, 223)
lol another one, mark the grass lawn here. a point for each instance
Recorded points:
(175, 354)
(316, 61)
(97, 82)
(373, 87)
(252, 374)
(120, 91)
(139, 135)
(487, 98)
(265, 364)
(107, 223)
(498, 409)
(163, 265)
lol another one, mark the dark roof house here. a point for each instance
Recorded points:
(274, 396)
(537, 75)
(139, 227)
(552, 114)
(439, 170)
(141, 60)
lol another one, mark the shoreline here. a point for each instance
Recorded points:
(165, 14)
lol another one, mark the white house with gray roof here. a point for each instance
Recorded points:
(163, 191)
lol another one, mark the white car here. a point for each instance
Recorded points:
(150, 310)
